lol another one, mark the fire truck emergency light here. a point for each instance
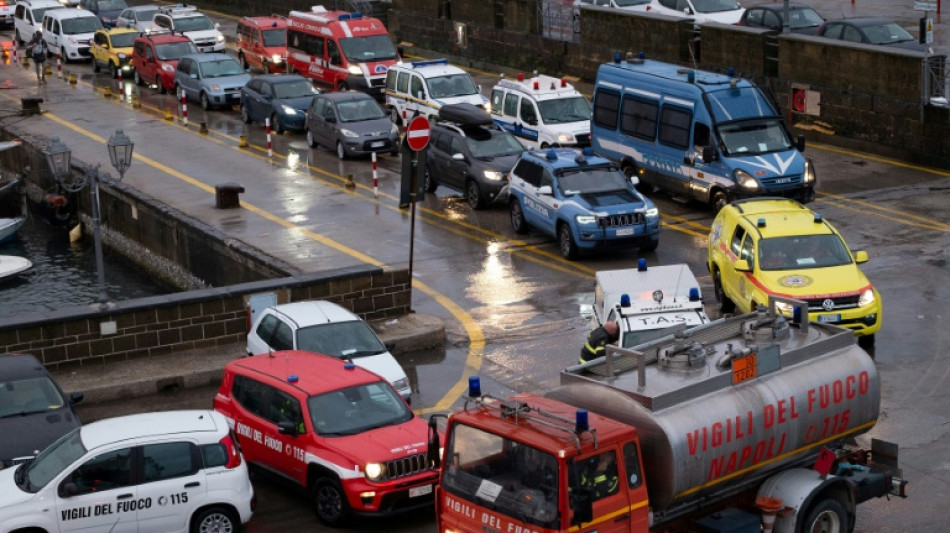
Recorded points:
(474, 387)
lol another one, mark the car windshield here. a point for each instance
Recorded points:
(803, 18)
(359, 110)
(888, 33)
(491, 143)
(145, 15)
(81, 25)
(197, 23)
(595, 180)
(112, 5)
(294, 89)
(715, 6)
(753, 137)
(169, 51)
(340, 339)
(356, 409)
(34, 475)
(220, 68)
(124, 40)
(275, 37)
(372, 48)
(803, 251)
(563, 110)
(29, 396)
(631, 3)
(38, 12)
(451, 85)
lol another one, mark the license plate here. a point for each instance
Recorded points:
(623, 232)
(420, 491)
(377, 144)
(829, 318)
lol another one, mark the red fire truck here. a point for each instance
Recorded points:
(340, 50)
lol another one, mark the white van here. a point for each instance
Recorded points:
(423, 87)
(542, 111)
(68, 32)
(28, 17)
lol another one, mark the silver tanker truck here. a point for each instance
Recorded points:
(739, 425)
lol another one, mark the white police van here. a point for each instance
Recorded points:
(542, 111)
(167, 471)
(698, 135)
(423, 87)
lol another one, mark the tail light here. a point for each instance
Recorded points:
(234, 451)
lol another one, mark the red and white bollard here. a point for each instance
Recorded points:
(13, 60)
(121, 88)
(59, 68)
(270, 147)
(375, 178)
(184, 108)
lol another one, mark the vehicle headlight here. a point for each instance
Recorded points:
(809, 172)
(494, 175)
(400, 384)
(288, 110)
(354, 69)
(653, 212)
(487, 106)
(121, 55)
(746, 181)
(220, 38)
(215, 87)
(867, 298)
(348, 133)
(168, 68)
(566, 138)
(585, 219)
(276, 58)
(375, 471)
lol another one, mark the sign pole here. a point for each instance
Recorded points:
(412, 216)
(417, 137)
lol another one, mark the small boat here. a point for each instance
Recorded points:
(11, 265)
(9, 227)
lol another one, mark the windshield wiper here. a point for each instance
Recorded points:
(25, 413)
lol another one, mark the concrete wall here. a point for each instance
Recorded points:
(154, 326)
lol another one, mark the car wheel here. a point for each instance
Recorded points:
(650, 245)
(160, 86)
(828, 516)
(473, 193)
(214, 520)
(95, 66)
(62, 54)
(136, 78)
(866, 341)
(245, 114)
(243, 61)
(311, 142)
(275, 125)
(113, 70)
(330, 502)
(566, 242)
(719, 200)
(723, 302)
(518, 223)
(343, 86)
(428, 180)
(205, 103)
(340, 150)
(19, 40)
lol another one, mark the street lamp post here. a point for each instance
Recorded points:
(58, 155)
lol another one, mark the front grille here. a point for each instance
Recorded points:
(406, 466)
(368, 145)
(618, 221)
(205, 42)
(844, 302)
(84, 52)
(782, 182)
(583, 140)
(377, 82)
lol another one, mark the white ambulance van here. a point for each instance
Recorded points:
(542, 111)
(423, 87)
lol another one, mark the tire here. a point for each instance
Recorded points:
(518, 223)
(651, 245)
(311, 142)
(16, 36)
(828, 515)
(95, 66)
(566, 242)
(243, 61)
(473, 193)
(214, 520)
(62, 54)
(205, 103)
(245, 114)
(866, 341)
(343, 87)
(137, 79)
(340, 150)
(723, 302)
(113, 71)
(160, 86)
(428, 180)
(275, 125)
(330, 503)
(719, 200)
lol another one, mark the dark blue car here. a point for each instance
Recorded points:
(282, 97)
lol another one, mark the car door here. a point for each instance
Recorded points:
(529, 173)
(190, 78)
(149, 65)
(457, 168)
(673, 142)
(282, 408)
(172, 483)
(600, 477)
(734, 282)
(251, 98)
(249, 397)
(331, 124)
(439, 154)
(99, 495)
(547, 198)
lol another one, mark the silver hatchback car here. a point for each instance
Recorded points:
(352, 123)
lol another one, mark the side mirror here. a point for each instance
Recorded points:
(458, 156)
(545, 190)
(434, 446)
(582, 505)
(267, 97)
(76, 397)
(801, 143)
(390, 346)
(742, 265)
(217, 25)
(287, 428)
(330, 120)
(587, 311)
(68, 489)
(193, 76)
(860, 256)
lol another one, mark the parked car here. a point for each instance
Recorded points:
(112, 49)
(764, 246)
(7, 12)
(872, 30)
(469, 153)
(262, 43)
(626, 5)
(155, 57)
(284, 98)
(138, 17)
(801, 18)
(213, 79)
(68, 32)
(191, 23)
(722, 11)
(34, 412)
(325, 327)
(352, 123)
(28, 17)
(107, 10)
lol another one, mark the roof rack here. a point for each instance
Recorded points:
(523, 411)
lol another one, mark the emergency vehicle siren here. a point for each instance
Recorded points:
(694, 294)
(292, 378)
(818, 218)
(348, 365)
(474, 387)
(581, 423)
(624, 300)
(641, 265)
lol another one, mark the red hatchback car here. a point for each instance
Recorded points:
(155, 57)
(262, 43)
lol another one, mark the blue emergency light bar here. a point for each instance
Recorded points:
(292, 378)
(761, 223)
(624, 300)
(349, 365)
(642, 265)
(818, 218)
(474, 387)
(417, 64)
(551, 155)
(581, 423)
(693, 294)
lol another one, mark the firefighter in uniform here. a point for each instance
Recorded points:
(598, 339)
(601, 476)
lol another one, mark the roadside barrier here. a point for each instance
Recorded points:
(184, 108)
(270, 146)
(59, 68)
(119, 85)
(375, 178)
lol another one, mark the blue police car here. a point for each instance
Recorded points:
(582, 200)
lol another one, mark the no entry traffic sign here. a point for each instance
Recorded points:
(417, 134)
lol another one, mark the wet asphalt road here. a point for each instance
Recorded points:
(524, 298)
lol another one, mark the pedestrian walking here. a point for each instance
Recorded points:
(598, 339)
(37, 46)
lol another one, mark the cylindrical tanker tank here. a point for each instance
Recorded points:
(702, 437)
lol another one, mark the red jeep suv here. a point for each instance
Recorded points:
(155, 57)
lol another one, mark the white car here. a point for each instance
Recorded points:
(138, 17)
(722, 11)
(69, 32)
(542, 111)
(423, 87)
(325, 327)
(190, 23)
(168, 471)
(28, 17)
